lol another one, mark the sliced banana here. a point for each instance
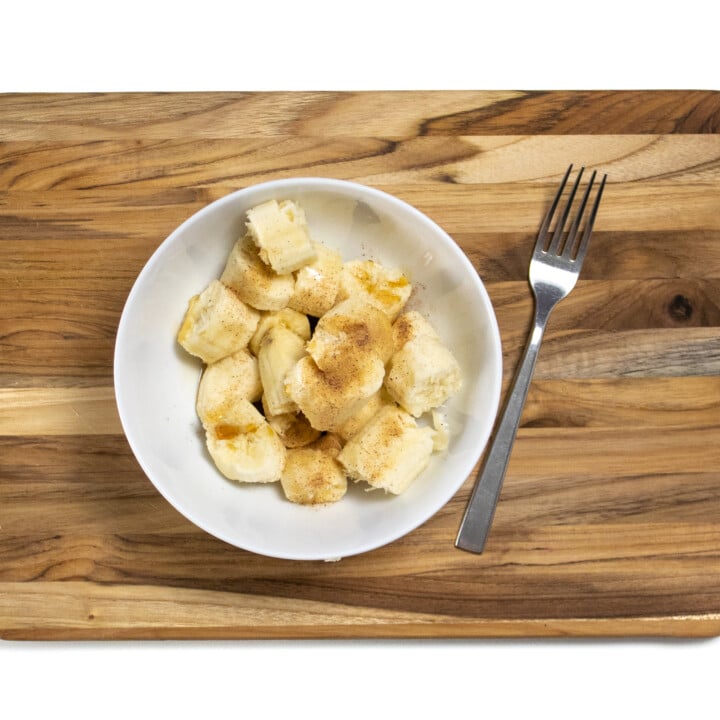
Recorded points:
(317, 284)
(244, 447)
(280, 350)
(441, 436)
(256, 283)
(217, 323)
(409, 326)
(281, 234)
(312, 477)
(386, 288)
(225, 382)
(294, 429)
(366, 413)
(354, 326)
(329, 399)
(288, 318)
(389, 452)
(422, 375)
(329, 443)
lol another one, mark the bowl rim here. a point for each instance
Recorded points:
(309, 184)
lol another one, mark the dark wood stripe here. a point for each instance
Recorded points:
(583, 113)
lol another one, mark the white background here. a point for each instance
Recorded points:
(208, 45)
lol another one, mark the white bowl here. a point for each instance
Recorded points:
(156, 380)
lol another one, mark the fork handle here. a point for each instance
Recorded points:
(479, 513)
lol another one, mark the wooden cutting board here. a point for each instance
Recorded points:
(609, 522)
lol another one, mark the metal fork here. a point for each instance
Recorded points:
(554, 269)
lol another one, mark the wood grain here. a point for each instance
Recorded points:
(609, 522)
(90, 611)
(317, 114)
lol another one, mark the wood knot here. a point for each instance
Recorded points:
(680, 308)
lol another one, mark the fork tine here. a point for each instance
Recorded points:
(556, 241)
(570, 242)
(582, 248)
(542, 233)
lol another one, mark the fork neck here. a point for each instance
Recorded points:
(546, 298)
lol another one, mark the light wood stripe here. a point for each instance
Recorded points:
(507, 208)
(58, 411)
(557, 402)
(632, 353)
(82, 610)
(623, 402)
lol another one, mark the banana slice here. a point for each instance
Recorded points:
(290, 319)
(409, 326)
(280, 349)
(389, 452)
(368, 411)
(255, 283)
(244, 447)
(354, 326)
(386, 288)
(329, 443)
(441, 437)
(294, 429)
(225, 382)
(328, 399)
(317, 284)
(281, 234)
(217, 323)
(312, 477)
(422, 375)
